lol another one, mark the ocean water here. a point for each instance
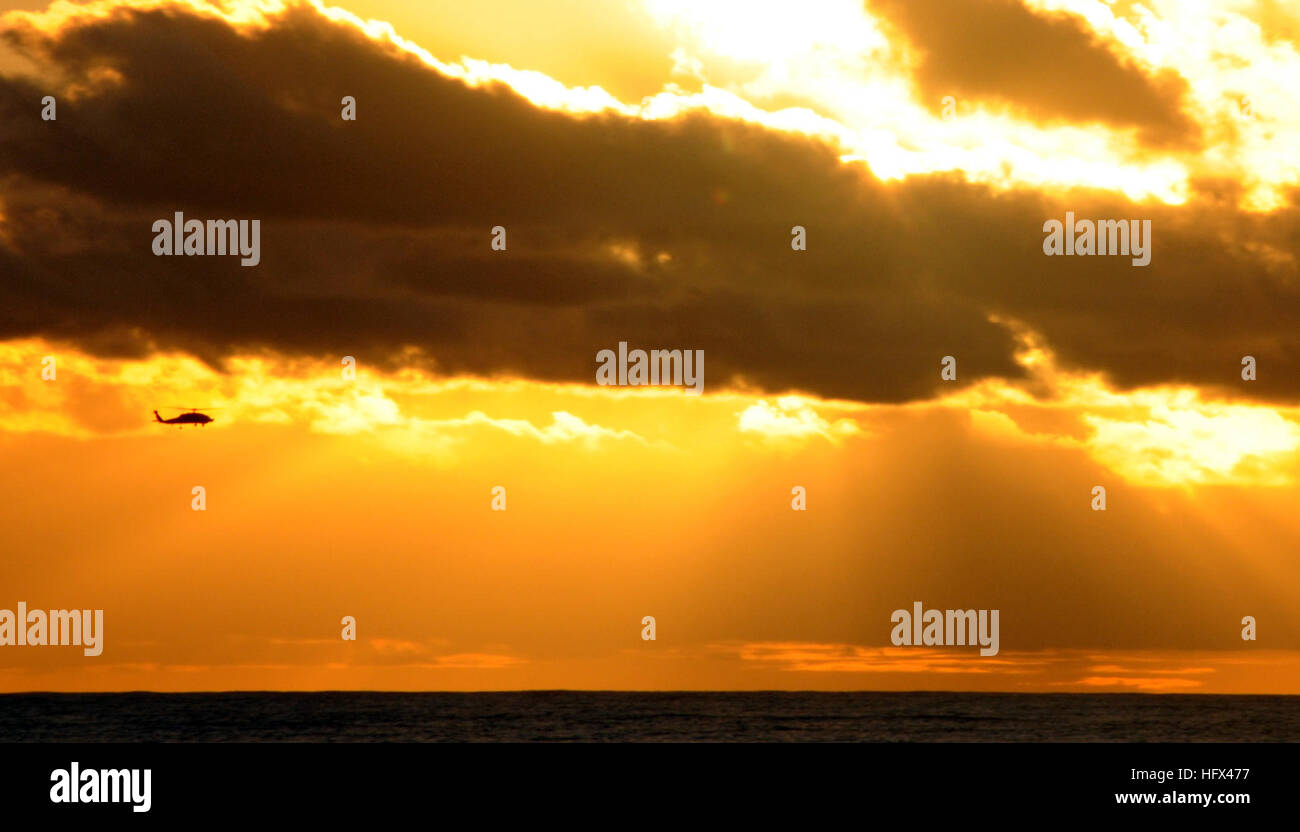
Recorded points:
(572, 716)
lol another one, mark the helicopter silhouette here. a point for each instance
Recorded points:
(192, 416)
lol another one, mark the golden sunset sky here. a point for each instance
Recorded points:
(648, 159)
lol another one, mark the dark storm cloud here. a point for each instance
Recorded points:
(669, 234)
(1048, 67)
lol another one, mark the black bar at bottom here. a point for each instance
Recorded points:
(616, 783)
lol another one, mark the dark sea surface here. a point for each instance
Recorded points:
(572, 716)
